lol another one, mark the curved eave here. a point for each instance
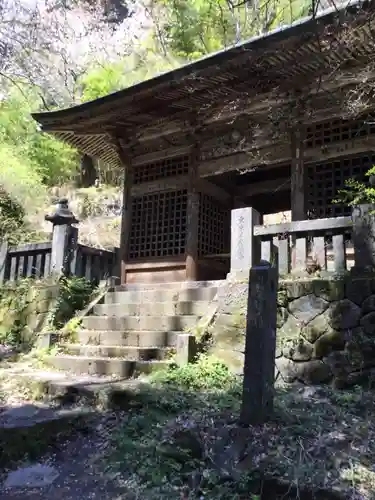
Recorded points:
(167, 100)
(300, 28)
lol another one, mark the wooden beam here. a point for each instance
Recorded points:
(244, 161)
(271, 156)
(193, 207)
(126, 219)
(271, 185)
(161, 155)
(215, 191)
(166, 184)
(306, 226)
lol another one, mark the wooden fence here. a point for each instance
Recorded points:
(333, 244)
(34, 261)
(93, 264)
(324, 244)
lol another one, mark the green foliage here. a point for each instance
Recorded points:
(207, 373)
(196, 28)
(45, 156)
(356, 192)
(157, 458)
(74, 295)
(70, 330)
(11, 218)
(14, 302)
(135, 68)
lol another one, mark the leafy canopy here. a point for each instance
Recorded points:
(52, 160)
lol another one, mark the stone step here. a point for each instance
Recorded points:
(161, 295)
(130, 353)
(129, 339)
(174, 285)
(93, 365)
(30, 430)
(139, 323)
(197, 308)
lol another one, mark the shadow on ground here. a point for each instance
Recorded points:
(175, 439)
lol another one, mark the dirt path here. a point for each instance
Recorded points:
(78, 471)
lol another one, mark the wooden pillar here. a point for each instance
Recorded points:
(126, 217)
(193, 206)
(297, 181)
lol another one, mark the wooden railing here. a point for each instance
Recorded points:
(24, 261)
(34, 260)
(320, 243)
(93, 264)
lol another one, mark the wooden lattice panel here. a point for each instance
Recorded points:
(337, 130)
(214, 227)
(169, 167)
(324, 180)
(158, 225)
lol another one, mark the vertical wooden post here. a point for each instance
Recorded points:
(260, 347)
(126, 218)
(4, 261)
(62, 233)
(297, 176)
(193, 207)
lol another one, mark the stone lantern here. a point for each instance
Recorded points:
(63, 237)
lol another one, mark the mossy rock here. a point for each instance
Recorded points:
(282, 298)
(330, 341)
(329, 289)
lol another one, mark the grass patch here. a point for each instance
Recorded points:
(182, 440)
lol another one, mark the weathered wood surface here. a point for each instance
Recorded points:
(274, 155)
(193, 208)
(32, 260)
(126, 215)
(298, 173)
(305, 226)
(94, 264)
(260, 346)
(211, 189)
(303, 244)
(166, 184)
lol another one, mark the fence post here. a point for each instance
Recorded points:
(244, 248)
(63, 236)
(260, 347)
(3, 261)
(363, 237)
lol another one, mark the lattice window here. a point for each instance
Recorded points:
(337, 130)
(158, 225)
(214, 227)
(161, 169)
(325, 179)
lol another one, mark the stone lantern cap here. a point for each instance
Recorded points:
(62, 215)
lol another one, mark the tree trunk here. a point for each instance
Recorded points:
(88, 171)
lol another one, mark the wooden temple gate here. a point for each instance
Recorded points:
(198, 142)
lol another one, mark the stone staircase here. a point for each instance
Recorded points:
(135, 328)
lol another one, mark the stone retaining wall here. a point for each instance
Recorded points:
(29, 309)
(326, 329)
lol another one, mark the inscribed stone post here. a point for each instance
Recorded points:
(245, 249)
(364, 237)
(260, 347)
(62, 219)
